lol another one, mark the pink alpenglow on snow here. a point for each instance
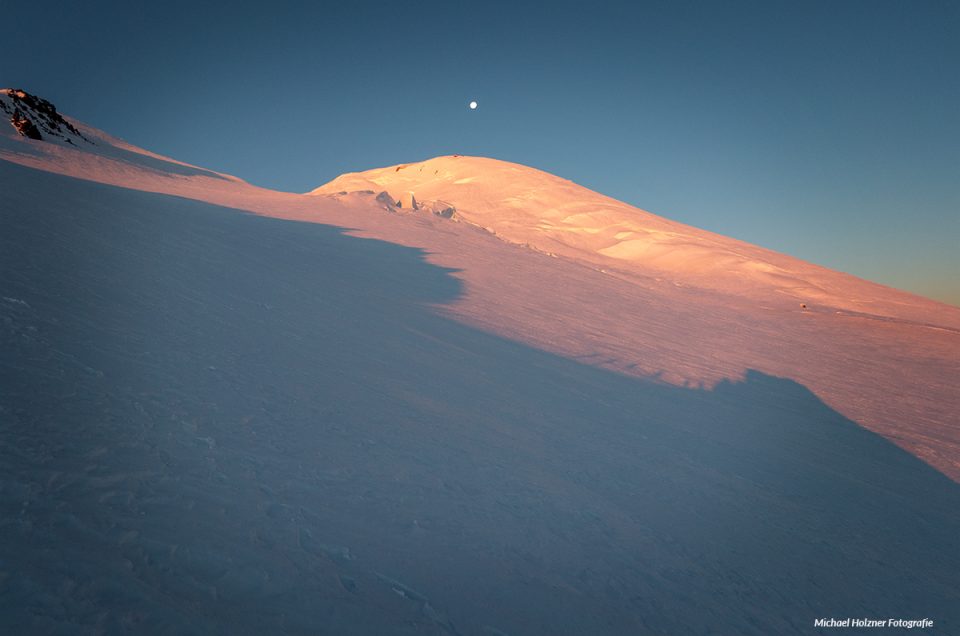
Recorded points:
(555, 265)
(456, 396)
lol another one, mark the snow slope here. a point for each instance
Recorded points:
(223, 422)
(700, 307)
(220, 423)
(884, 358)
(70, 145)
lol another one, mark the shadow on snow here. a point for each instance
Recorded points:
(215, 422)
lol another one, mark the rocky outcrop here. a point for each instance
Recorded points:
(24, 126)
(36, 118)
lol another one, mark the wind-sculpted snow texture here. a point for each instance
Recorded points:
(234, 411)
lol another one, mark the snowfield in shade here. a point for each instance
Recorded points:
(509, 405)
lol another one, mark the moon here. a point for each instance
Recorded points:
(473, 105)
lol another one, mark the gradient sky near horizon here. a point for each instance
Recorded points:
(826, 130)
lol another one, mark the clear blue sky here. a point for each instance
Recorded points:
(827, 130)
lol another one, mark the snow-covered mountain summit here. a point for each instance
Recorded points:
(529, 207)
